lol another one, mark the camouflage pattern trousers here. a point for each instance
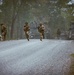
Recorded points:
(3, 36)
(27, 35)
(41, 35)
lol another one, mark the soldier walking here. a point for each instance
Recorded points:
(26, 30)
(41, 30)
(3, 31)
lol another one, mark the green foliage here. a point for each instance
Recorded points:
(54, 13)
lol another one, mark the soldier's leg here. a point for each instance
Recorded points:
(4, 37)
(41, 36)
(0, 37)
(27, 35)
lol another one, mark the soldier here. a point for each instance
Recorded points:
(58, 33)
(26, 30)
(41, 30)
(3, 31)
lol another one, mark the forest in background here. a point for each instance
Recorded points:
(53, 14)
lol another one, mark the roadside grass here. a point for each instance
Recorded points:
(71, 69)
(72, 55)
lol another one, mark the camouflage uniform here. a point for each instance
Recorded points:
(26, 30)
(41, 30)
(3, 32)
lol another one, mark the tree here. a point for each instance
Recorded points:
(15, 7)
